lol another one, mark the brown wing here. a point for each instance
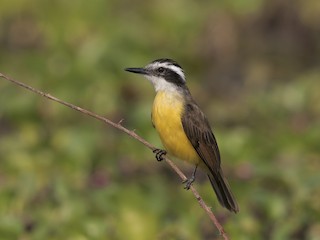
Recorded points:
(198, 131)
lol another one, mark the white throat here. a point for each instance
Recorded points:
(160, 84)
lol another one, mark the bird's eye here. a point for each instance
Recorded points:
(160, 70)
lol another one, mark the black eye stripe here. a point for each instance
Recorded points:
(161, 69)
(171, 76)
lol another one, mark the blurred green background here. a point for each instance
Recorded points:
(253, 67)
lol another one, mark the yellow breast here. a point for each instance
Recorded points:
(167, 110)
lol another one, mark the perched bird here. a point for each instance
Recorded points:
(183, 128)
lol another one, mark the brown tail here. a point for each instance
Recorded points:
(223, 192)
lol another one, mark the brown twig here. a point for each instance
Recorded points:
(131, 134)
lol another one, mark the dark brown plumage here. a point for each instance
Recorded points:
(198, 131)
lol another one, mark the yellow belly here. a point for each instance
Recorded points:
(166, 117)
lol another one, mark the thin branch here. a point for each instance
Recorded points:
(131, 134)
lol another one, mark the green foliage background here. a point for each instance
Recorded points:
(254, 68)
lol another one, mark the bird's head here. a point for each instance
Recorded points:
(165, 74)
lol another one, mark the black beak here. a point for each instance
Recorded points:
(137, 70)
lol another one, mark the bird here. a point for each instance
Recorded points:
(183, 128)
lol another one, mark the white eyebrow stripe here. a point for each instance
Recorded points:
(174, 68)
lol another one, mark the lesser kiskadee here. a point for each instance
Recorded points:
(183, 128)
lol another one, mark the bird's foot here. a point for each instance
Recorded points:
(159, 154)
(189, 182)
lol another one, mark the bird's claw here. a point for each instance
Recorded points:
(188, 182)
(159, 154)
